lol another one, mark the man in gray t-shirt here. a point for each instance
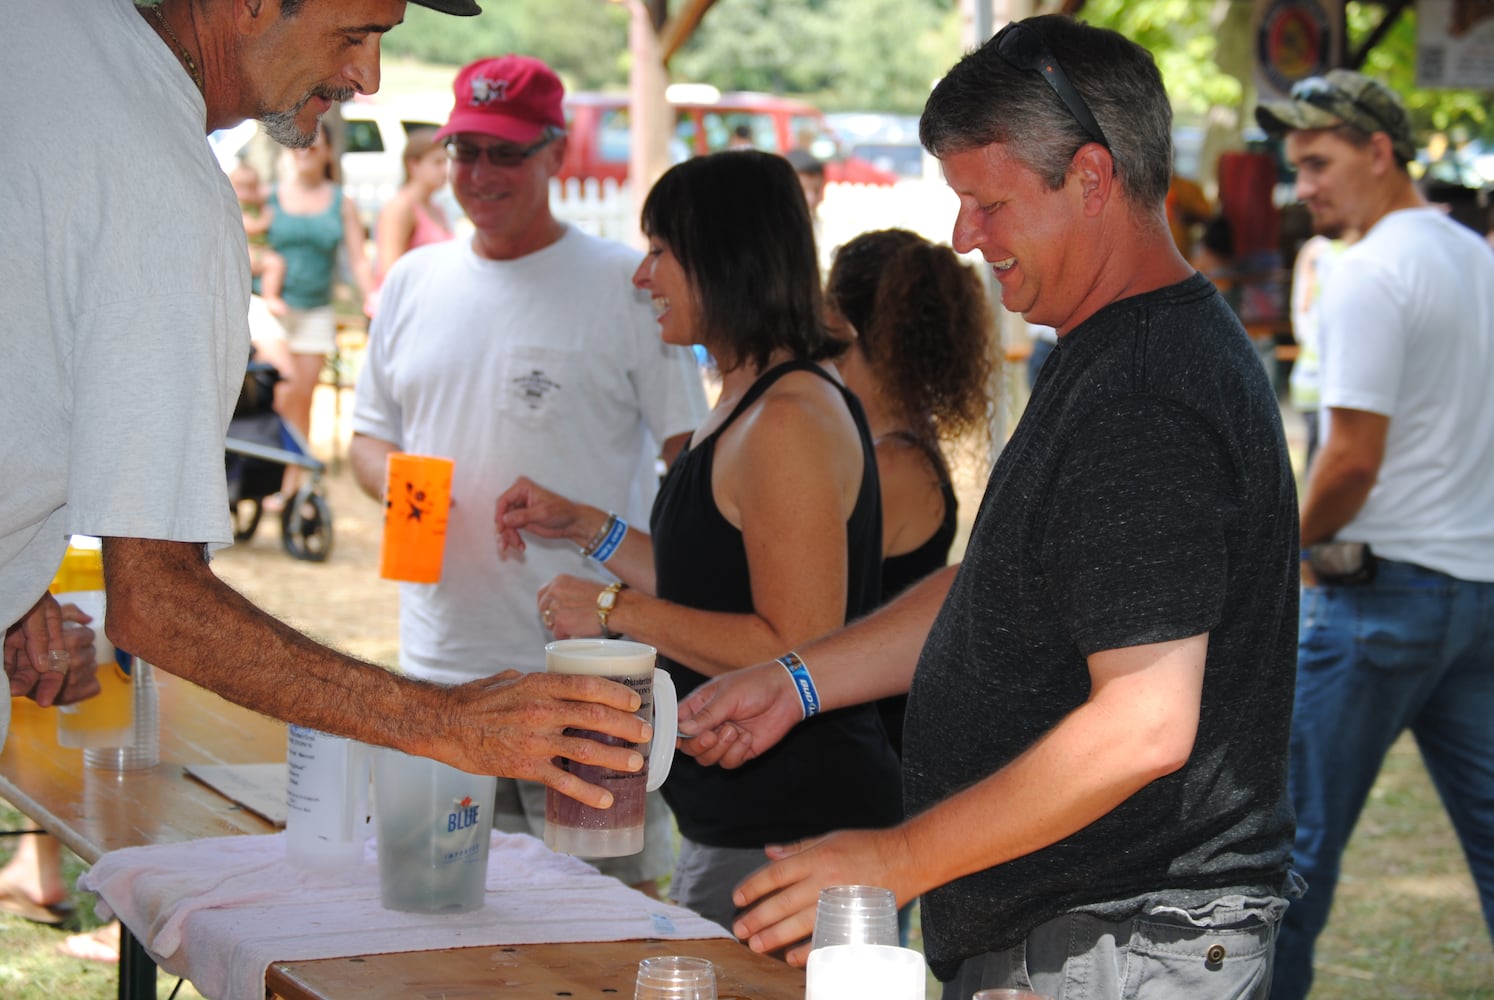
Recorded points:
(1096, 740)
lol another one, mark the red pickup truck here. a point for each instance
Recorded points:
(599, 132)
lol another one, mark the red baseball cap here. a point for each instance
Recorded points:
(509, 97)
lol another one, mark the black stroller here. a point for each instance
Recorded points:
(259, 447)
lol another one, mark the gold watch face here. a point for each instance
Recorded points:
(606, 599)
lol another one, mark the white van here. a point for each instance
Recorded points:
(374, 144)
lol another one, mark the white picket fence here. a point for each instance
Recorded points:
(605, 208)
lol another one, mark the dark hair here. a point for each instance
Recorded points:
(738, 224)
(924, 324)
(984, 99)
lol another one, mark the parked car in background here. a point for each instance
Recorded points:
(887, 141)
(600, 132)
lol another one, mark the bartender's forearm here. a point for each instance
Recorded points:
(166, 605)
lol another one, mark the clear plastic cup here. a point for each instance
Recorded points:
(855, 914)
(675, 977)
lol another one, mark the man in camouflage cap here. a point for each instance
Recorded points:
(1397, 633)
(1342, 97)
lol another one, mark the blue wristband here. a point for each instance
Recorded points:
(809, 698)
(615, 534)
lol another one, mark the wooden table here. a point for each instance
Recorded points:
(601, 971)
(94, 812)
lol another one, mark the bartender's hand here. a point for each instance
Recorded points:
(568, 607)
(515, 725)
(36, 655)
(739, 715)
(83, 667)
(784, 895)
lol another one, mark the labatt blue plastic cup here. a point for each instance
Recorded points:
(434, 826)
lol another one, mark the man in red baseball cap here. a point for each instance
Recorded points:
(523, 351)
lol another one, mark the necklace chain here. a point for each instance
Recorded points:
(181, 50)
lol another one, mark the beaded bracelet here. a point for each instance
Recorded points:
(617, 530)
(809, 697)
(600, 536)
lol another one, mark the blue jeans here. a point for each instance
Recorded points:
(1413, 649)
(1221, 951)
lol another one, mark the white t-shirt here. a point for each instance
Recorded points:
(1408, 332)
(124, 286)
(549, 366)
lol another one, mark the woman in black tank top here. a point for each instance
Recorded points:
(917, 348)
(767, 529)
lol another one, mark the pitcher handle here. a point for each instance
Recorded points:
(666, 729)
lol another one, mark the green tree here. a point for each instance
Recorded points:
(585, 41)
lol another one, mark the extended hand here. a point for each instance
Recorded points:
(784, 896)
(739, 715)
(515, 725)
(528, 506)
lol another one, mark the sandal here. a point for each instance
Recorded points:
(272, 503)
(98, 945)
(15, 902)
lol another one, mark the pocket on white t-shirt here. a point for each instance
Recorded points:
(537, 381)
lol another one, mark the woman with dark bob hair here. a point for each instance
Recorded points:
(767, 528)
(915, 332)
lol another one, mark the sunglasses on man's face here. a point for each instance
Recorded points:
(1023, 48)
(499, 155)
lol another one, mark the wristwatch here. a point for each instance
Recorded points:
(606, 601)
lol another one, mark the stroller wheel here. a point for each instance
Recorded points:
(306, 526)
(245, 516)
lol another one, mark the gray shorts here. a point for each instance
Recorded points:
(520, 808)
(704, 878)
(1221, 951)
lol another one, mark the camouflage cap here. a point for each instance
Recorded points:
(1341, 97)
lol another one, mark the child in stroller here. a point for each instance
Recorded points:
(259, 447)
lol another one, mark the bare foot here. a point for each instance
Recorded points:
(98, 945)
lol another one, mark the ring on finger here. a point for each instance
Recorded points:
(548, 617)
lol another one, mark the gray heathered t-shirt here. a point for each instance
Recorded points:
(1146, 495)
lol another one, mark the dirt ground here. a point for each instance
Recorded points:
(342, 601)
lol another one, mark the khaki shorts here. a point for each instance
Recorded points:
(304, 331)
(520, 808)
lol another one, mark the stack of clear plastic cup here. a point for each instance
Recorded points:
(675, 977)
(144, 749)
(855, 914)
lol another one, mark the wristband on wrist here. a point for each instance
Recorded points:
(809, 697)
(600, 536)
(617, 530)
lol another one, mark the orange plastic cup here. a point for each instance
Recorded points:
(417, 502)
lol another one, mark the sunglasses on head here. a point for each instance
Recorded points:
(498, 155)
(1024, 49)
(1321, 94)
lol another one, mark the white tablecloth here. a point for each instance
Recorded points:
(219, 911)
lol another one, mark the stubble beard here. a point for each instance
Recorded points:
(281, 125)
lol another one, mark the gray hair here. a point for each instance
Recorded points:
(984, 100)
